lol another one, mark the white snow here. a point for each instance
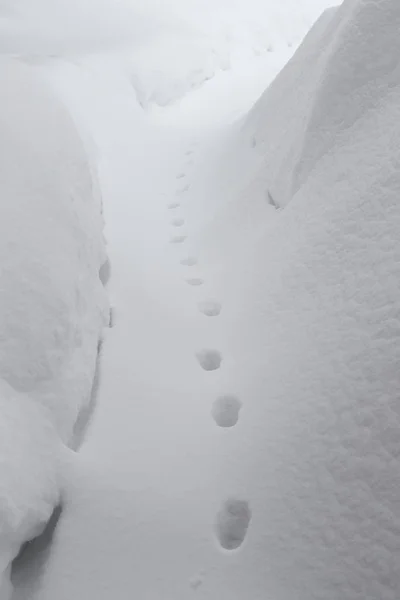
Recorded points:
(245, 439)
(53, 304)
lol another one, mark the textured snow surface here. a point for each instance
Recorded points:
(315, 326)
(53, 304)
(246, 438)
(168, 48)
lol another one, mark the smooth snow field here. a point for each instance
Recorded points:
(199, 292)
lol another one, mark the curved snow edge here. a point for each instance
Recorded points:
(53, 304)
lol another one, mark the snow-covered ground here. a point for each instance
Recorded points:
(245, 438)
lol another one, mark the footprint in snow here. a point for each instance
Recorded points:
(225, 411)
(232, 523)
(181, 175)
(173, 205)
(178, 239)
(210, 308)
(184, 189)
(190, 261)
(178, 222)
(195, 281)
(209, 360)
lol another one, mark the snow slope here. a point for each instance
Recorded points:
(169, 48)
(53, 304)
(313, 342)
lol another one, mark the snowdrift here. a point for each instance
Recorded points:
(53, 303)
(169, 48)
(314, 300)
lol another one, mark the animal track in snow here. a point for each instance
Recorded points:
(189, 152)
(173, 205)
(209, 360)
(111, 322)
(232, 523)
(196, 582)
(195, 281)
(178, 222)
(225, 411)
(190, 261)
(184, 189)
(210, 308)
(178, 239)
(181, 175)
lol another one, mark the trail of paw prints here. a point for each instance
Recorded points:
(233, 519)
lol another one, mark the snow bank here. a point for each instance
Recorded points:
(313, 297)
(170, 49)
(202, 38)
(277, 125)
(53, 304)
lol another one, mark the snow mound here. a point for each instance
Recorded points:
(277, 125)
(166, 69)
(53, 303)
(29, 475)
(203, 38)
(315, 312)
(169, 50)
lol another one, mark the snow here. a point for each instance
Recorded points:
(53, 305)
(30, 467)
(245, 438)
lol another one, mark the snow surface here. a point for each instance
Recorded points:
(53, 304)
(245, 441)
(168, 48)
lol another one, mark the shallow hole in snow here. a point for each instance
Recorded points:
(232, 523)
(111, 321)
(210, 308)
(173, 205)
(184, 189)
(196, 583)
(209, 360)
(195, 281)
(181, 175)
(178, 239)
(190, 261)
(225, 411)
(178, 222)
